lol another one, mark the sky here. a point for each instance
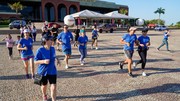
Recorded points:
(144, 9)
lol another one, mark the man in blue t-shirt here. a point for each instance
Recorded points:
(65, 38)
(128, 41)
(165, 40)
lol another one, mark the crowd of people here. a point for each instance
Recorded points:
(45, 55)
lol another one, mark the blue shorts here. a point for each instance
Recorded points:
(67, 52)
(26, 57)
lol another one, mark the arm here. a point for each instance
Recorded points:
(46, 61)
(19, 47)
(123, 42)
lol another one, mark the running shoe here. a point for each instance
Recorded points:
(66, 67)
(27, 76)
(134, 65)
(91, 47)
(33, 77)
(130, 74)
(45, 98)
(121, 65)
(144, 74)
(96, 48)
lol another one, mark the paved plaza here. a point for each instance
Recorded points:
(100, 79)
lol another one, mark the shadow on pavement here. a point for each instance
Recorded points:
(165, 88)
(13, 77)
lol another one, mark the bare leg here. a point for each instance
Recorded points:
(26, 66)
(32, 66)
(129, 65)
(53, 92)
(43, 89)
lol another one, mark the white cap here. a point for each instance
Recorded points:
(26, 30)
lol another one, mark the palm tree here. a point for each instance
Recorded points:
(16, 6)
(123, 11)
(159, 11)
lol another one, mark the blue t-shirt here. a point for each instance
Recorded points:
(131, 39)
(143, 40)
(42, 54)
(65, 38)
(26, 43)
(166, 35)
(94, 34)
(83, 40)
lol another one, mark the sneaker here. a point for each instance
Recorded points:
(134, 65)
(66, 67)
(158, 49)
(121, 65)
(82, 64)
(33, 77)
(27, 76)
(91, 47)
(130, 74)
(45, 98)
(96, 48)
(144, 74)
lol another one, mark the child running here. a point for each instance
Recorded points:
(9, 45)
(82, 41)
(17, 41)
(95, 36)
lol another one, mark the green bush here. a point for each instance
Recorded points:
(4, 22)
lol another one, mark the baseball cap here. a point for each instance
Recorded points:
(26, 30)
(144, 30)
(132, 29)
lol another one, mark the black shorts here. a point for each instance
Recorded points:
(51, 78)
(94, 38)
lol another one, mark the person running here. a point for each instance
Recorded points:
(165, 40)
(65, 38)
(17, 41)
(144, 41)
(45, 58)
(9, 45)
(54, 33)
(26, 47)
(128, 41)
(95, 36)
(76, 35)
(82, 41)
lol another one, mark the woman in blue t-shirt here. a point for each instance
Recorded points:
(82, 41)
(45, 58)
(26, 47)
(128, 41)
(144, 41)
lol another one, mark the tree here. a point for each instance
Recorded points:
(123, 11)
(16, 6)
(159, 11)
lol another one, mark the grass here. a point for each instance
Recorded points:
(3, 26)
